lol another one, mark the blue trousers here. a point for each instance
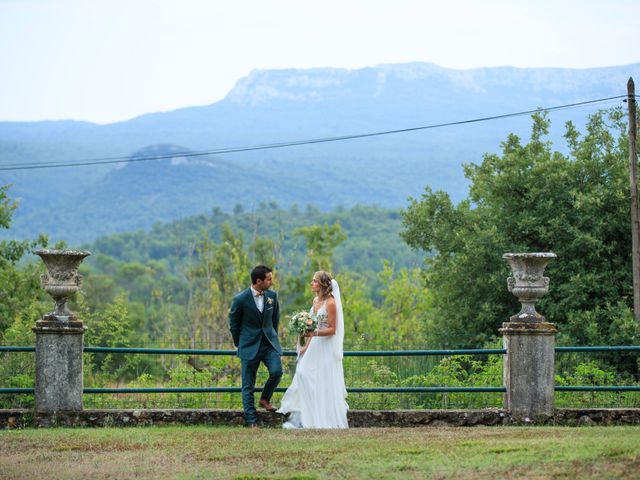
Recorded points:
(271, 359)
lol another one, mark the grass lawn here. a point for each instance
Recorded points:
(235, 452)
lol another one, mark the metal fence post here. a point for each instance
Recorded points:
(529, 365)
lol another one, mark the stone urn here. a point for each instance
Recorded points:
(528, 283)
(62, 279)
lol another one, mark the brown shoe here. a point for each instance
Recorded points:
(252, 425)
(264, 403)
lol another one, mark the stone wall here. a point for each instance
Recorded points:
(357, 418)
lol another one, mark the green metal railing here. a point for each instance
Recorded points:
(367, 353)
(598, 388)
(291, 353)
(600, 348)
(288, 353)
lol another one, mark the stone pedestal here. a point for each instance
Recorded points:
(529, 370)
(59, 336)
(529, 365)
(59, 382)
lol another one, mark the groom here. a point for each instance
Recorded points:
(253, 321)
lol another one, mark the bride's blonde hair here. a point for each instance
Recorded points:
(324, 280)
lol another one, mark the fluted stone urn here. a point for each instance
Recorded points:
(528, 283)
(62, 279)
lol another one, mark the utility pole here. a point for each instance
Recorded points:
(635, 221)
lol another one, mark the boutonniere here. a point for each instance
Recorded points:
(269, 300)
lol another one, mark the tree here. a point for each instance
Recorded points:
(320, 241)
(398, 320)
(215, 274)
(533, 199)
(19, 286)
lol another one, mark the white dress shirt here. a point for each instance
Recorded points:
(258, 297)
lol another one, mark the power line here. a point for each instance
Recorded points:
(130, 159)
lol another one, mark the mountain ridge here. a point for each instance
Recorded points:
(271, 106)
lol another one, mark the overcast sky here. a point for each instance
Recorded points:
(110, 60)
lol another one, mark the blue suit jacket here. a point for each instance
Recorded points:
(248, 325)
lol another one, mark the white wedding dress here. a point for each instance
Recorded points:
(317, 395)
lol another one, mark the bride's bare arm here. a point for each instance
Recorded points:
(331, 313)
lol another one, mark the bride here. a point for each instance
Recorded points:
(316, 397)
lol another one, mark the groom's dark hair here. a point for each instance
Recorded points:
(259, 273)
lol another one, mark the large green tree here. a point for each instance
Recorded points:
(531, 198)
(19, 285)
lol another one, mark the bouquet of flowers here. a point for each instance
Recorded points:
(301, 323)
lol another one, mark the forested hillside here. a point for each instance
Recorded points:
(528, 198)
(372, 237)
(172, 285)
(81, 203)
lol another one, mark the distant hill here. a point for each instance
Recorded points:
(372, 237)
(78, 204)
